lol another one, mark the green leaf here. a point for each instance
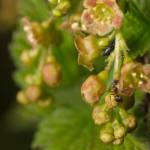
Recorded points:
(143, 7)
(67, 129)
(73, 129)
(136, 29)
(34, 9)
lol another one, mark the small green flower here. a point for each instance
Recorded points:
(61, 7)
(21, 98)
(27, 56)
(130, 122)
(110, 100)
(119, 130)
(118, 141)
(89, 48)
(106, 133)
(100, 115)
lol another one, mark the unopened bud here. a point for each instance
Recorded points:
(119, 131)
(110, 100)
(106, 137)
(106, 133)
(130, 122)
(91, 89)
(61, 8)
(100, 115)
(27, 56)
(21, 98)
(56, 12)
(118, 141)
(33, 93)
(51, 74)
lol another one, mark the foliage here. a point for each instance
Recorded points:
(67, 123)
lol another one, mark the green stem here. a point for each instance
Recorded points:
(120, 55)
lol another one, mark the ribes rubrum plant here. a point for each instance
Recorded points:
(109, 37)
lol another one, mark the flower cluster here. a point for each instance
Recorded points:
(96, 29)
(97, 32)
(41, 37)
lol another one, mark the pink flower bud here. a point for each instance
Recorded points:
(91, 89)
(33, 93)
(51, 74)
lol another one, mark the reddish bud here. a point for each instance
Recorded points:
(91, 89)
(51, 74)
(33, 93)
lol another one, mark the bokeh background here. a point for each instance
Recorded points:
(10, 138)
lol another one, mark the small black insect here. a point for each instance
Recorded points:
(115, 82)
(118, 98)
(109, 49)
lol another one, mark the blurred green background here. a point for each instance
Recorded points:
(10, 138)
